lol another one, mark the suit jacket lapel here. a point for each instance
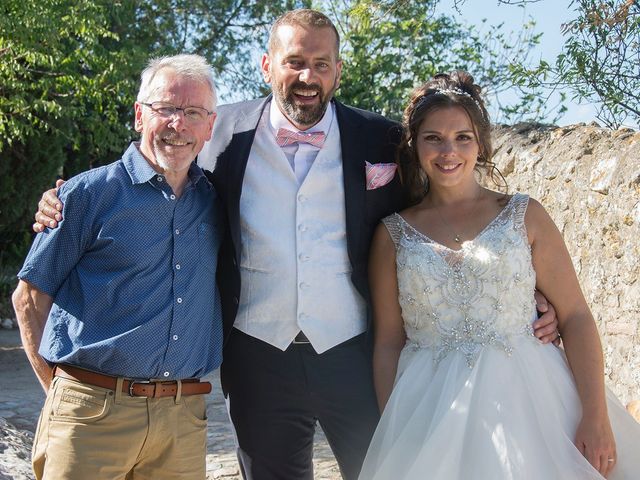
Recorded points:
(353, 166)
(236, 156)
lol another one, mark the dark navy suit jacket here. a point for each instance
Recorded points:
(365, 136)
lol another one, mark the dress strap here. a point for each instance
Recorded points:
(394, 227)
(519, 206)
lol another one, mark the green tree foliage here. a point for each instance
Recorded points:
(390, 47)
(599, 63)
(230, 33)
(64, 87)
(601, 58)
(69, 71)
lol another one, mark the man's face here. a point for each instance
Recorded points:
(304, 72)
(171, 143)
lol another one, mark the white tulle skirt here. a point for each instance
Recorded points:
(508, 417)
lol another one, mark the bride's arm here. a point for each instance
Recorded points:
(557, 280)
(389, 336)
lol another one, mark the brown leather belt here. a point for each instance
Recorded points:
(134, 388)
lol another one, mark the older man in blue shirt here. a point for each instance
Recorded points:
(121, 299)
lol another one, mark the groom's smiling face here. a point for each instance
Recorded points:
(304, 71)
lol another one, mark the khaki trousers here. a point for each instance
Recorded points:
(88, 432)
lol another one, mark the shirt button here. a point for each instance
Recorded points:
(175, 337)
(302, 228)
(177, 231)
(159, 178)
(177, 266)
(172, 197)
(301, 198)
(179, 300)
(303, 258)
(165, 374)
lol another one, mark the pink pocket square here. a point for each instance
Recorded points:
(379, 174)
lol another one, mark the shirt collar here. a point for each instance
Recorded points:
(196, 174)
(278, 120)
(140, 171)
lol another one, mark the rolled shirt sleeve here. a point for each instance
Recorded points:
(55, 252)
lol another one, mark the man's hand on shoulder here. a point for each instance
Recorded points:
(49, 209)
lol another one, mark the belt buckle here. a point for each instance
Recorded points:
(133, 382)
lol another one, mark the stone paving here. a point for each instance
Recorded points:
(21, 399)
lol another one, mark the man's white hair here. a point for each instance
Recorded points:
(191, 66)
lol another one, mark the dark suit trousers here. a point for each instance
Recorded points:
(276, 397)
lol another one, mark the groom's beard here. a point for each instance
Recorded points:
(300, 114)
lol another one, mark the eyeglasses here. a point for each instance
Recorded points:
(191, 114)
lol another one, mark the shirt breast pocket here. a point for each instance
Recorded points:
(209, 244)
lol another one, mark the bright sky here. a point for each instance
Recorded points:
(548, 15)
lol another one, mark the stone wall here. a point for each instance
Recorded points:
(588, 179)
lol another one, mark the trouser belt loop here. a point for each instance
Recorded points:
(52, 374)
(118, 396)
(178, 397)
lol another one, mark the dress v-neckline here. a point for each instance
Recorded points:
(473, 240)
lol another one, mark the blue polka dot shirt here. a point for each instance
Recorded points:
(132, 269)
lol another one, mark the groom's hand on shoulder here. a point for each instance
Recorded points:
(49, 209)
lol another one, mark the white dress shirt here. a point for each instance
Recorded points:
(300, 155)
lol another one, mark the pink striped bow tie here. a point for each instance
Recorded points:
(286, 137)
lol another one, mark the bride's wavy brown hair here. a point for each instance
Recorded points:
(455, 89)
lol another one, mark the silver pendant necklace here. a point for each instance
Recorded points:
(456, 236)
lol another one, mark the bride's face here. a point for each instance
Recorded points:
(447, 147)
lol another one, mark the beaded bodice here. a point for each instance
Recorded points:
(468, 299)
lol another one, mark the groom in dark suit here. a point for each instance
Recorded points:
(305, 179)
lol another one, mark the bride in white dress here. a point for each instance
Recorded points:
(466, 390)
